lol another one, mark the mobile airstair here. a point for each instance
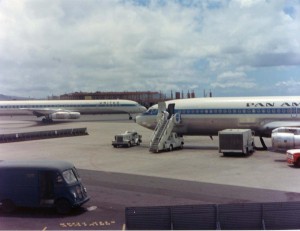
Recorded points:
(163, 131)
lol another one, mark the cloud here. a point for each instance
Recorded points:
(291, 86)
(250, 29)
(66, 46)
(289, 83)
(276, 59)
(233, 80)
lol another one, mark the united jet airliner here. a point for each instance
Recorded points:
(69, 109)
(207, 116)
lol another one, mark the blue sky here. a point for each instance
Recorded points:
(231, 47)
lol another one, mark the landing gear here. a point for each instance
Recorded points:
(47, 120)
(264, 146)
(130, 117)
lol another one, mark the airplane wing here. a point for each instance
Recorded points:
(53, 113)
(41, 111)
(277, 124)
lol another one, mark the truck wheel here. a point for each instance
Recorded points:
(8, 206)
(63, 206)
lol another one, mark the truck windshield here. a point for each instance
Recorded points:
(69, 176)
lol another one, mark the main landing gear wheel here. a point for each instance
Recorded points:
(47, 120)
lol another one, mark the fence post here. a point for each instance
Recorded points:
(171, 218)
(262, 217)
(218, 225)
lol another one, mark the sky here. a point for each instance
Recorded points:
(231, 47)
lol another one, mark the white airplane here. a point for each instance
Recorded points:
(69, 109)
(207, 116)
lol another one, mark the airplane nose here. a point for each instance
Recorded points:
(143, 109)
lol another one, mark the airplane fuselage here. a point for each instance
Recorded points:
(82, 106)
(207, 116)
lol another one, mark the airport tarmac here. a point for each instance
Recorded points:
(117, 178)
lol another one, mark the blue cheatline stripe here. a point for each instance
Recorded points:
(65, 106)
(233, 111)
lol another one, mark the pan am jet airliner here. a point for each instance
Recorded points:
(207, 116)
(69, 109)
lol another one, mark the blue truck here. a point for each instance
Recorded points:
(54, 184)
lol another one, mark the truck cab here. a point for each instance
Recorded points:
(293, 157)
(127, 139)
(173, 142)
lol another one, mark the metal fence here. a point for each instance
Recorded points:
(14, 137)
(249, 216)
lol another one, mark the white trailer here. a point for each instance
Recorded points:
(236, 141)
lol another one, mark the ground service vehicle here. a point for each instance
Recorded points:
(127, 139)
(173, 142)
(293, 157)
(40, 184)
(236, 141)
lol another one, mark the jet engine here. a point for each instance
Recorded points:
(64, 115)
(284, 138)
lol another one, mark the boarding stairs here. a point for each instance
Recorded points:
(162, 132)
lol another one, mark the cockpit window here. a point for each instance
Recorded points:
(152, 111)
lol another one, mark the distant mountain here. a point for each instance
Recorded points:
(7, 97)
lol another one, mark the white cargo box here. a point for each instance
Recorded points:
(236, 141)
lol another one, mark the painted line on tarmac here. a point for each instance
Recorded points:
(91, 208)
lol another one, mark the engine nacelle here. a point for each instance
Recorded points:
(285, 138)
(64, 115)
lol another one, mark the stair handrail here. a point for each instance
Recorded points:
(167, 130)
(162, 132)
(158, 127)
